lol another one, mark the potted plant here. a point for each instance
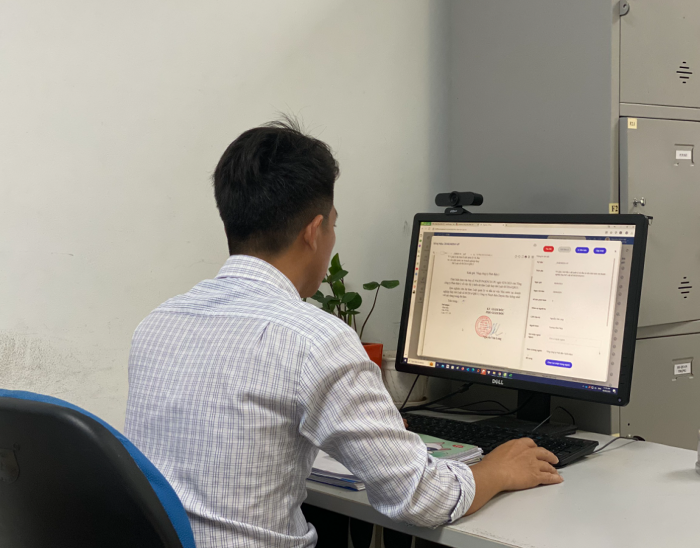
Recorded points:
(346, 304)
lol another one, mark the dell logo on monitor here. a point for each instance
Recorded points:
(497, 381)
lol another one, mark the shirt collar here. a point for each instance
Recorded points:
(252, 268)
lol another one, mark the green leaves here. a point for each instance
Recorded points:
(338, 288)
(352, 300)
(345, 304)
(330, 302)
(339, 275)
(318, 296)
(389, 284)
(335, 264)
(374, 286)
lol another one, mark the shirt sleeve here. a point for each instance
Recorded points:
(346, 411)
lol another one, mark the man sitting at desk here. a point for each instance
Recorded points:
(235, 385)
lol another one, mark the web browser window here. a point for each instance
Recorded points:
(543, 303)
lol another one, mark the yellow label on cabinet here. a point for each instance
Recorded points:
(631, 123)
(614, 208)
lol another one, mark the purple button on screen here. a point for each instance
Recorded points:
(557, 363)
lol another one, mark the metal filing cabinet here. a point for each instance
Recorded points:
(659, 178)
(581, 107)
(659, 53)
(665, 405)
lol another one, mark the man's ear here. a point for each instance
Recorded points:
(312, 232)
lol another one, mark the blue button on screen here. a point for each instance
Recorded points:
(557, 363)
(582, 250)
(599, 251)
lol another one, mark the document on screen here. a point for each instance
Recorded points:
(541, 305)
(476, 299)
(570, 318)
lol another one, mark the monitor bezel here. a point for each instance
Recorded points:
(640, 222)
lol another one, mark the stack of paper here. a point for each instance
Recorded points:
(328, 470)
(451, 450)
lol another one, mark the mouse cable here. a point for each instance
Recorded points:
(630, 440)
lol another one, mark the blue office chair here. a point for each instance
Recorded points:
(68, 479)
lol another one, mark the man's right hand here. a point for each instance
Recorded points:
(515, 465)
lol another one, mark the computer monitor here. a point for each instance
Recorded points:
(546, 304)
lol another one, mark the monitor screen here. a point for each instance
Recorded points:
(542, 305)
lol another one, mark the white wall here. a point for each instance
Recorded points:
(113, 116)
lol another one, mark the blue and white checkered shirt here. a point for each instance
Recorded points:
(233, 388)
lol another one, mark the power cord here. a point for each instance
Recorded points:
(426, 406)
(448, 407)
(573, 420)
(459, 410)
(409, 393)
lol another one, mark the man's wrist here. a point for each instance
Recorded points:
(489, 480)
(491, 475)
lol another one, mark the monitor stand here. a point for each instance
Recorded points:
(534, 408)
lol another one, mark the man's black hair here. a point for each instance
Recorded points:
(270, 183)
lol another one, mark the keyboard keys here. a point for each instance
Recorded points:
(488, 437)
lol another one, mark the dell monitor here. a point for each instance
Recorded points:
(546, 304)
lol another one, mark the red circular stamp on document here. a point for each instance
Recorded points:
(483, 326)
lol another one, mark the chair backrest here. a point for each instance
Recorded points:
(69, 479)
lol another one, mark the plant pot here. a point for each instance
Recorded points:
(374, 351)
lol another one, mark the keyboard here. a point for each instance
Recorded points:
(488, 437)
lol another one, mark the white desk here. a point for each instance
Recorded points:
(640, 495)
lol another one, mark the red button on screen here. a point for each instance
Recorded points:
(549, 248)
